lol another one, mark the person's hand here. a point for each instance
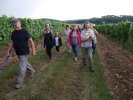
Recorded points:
(90, 37)
(33, 52)
(8, 54)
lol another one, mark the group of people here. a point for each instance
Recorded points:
(50, 41)
(74, 38)
(84, 38)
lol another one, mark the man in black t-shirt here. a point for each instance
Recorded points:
(19, 40)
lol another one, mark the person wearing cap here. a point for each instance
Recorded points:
(19, 41)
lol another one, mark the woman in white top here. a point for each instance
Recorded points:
(57, 42)
(87, 37)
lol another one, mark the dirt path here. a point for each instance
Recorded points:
(118, 68)
(66, 82)
(63, 79)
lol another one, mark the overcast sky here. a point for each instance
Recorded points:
(65, 9)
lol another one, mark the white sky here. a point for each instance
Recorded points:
(65, 9)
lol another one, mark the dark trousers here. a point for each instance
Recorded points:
(93, 47)
(57, 48)
(48, 51)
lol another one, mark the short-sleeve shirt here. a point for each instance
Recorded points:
(20, 41)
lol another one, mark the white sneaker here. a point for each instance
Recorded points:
(76, 59)
(20, 85)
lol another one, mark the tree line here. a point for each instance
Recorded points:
(104, 19)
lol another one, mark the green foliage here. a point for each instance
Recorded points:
(58, 27)
(34, 26)
(5, 30)
(120, 32)
(131, 33)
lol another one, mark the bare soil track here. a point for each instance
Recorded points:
(118, 69)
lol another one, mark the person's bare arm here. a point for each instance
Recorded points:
(10, 48)
(32, 46)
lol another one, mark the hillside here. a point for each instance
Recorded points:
(103, 19)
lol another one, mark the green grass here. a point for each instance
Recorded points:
(100, 90)
(47, 80)
(62, 79)
(8, 77)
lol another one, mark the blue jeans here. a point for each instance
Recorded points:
(75, 49)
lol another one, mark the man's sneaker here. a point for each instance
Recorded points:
(20, 85)
(75, 59)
